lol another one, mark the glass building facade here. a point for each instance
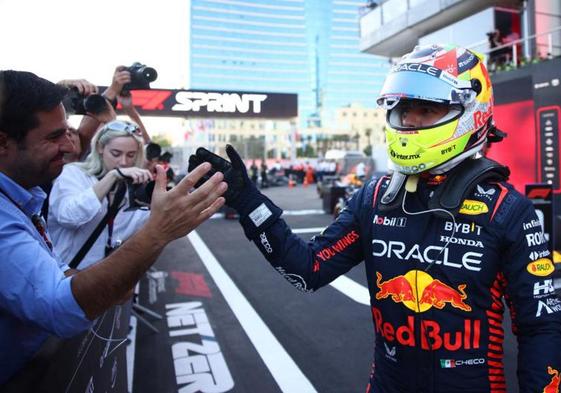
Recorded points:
(307, 47)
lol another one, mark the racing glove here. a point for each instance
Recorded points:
(256, 211)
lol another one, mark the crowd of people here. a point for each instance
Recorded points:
(75, 240)
(444, 237)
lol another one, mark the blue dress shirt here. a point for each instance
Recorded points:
(35, 297)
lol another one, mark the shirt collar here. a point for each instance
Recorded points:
(30, 201)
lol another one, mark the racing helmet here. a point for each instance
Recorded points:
(443, 76)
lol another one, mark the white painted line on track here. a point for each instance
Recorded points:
(308, 230)
(352, 289)
(305, 212)
(284, 370)
(302, 212)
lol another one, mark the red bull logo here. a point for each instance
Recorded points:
(432, 337)
(419, 291)
(553, 386)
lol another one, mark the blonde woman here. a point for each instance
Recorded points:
(83, 192)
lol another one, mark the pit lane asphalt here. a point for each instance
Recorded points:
(327, 335)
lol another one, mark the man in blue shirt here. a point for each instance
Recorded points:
(37, 298)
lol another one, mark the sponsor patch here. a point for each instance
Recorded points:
(542, 267)
(452, 363)
(297, 281)
(473, 208)
(390, 352)
(543, 288)
(430, 254)
(265, 243)
(536, 239)
(390, 221)
(532, 224)
(485, 194)
(260, 215)
(429, 335)
(419, 291)
(461, 241)
(534, 255)
(462, 227)
(341, 244)
(548, 306)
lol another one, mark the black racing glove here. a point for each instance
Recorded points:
(256, 211)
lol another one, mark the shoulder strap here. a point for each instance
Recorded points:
(111, 213)
(462, 180)
(392, 196)
(459, 183)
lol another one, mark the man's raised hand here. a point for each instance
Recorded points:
(177, 212)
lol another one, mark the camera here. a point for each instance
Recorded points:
(141, 77)
(140, 195)
(78, 104)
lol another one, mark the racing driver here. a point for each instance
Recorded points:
(445, 238)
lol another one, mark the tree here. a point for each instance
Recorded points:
(308, 151)
(161, 140)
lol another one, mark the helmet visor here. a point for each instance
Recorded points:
(440, 87)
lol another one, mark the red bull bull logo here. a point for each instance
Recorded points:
(419, 291)
(398, 288)
(553, 386)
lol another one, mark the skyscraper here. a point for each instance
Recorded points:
(307, 47)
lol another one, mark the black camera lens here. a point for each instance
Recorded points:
(95, 104)
(76, 103)
(141, 77)
(149, 74)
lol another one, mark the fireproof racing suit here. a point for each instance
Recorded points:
(437, 286)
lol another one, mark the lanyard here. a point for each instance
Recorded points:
(36, 219)
(110, 221)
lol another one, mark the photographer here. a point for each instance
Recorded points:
(83, 99)
(125, 100)
(82, 194)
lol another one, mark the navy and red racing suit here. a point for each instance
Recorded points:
(437, 287)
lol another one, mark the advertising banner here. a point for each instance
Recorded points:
(215, 104)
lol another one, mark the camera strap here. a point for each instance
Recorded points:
(109, 216)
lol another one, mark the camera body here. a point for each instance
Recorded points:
(141, 77)
(140, 194)
(78, 104)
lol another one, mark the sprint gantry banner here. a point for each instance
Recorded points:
(214, 104)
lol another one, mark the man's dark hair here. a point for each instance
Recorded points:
(166, 157)
(153, 150)
(22, 95)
